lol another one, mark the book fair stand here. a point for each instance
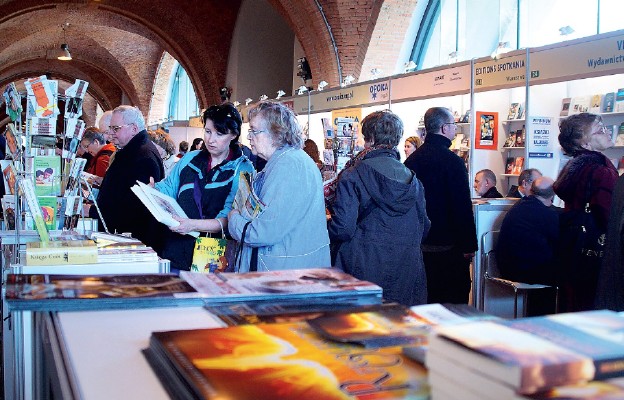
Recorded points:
(70, 336)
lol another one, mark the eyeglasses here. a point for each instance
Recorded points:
(451, 123)
(601, 130)
(115, 129)
(253, 132)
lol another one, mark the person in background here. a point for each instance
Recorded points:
(197, 144)
(589, 177)
(136, 159)
(411, 144)
(311, 149)
(291, 232)
(182, 149)
(204, 182)
(525, 179)
(104, 125)
(485, 185)
(452, 239)
(166, 148)
(93, 143)
(379, 217)
(610, 293)
(529, 237)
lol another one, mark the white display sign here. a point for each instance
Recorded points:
(541, 137)
(427, 84)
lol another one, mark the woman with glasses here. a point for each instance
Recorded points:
(291, 232)
(204, 182)
(588, 178)
(94, 143)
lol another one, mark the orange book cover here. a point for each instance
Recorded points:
(280, 361)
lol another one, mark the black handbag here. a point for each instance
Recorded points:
(582, 240)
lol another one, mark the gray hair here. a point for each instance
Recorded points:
(382, 127)
(574, 129)
(488, 174)
(435, 117)
(104, 122)
(131, 115)
(281, 122)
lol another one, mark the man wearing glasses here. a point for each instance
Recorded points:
(452, 239)
(136, 159)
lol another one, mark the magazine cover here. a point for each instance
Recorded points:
(279, 361)
(8, 211)
(13, 102)
(10, 176)
(298, 283)
(72, 287)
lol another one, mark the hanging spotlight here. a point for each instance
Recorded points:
(64, 54)
(322, 85)
(248, 100)
(410, 66)
(280, 93)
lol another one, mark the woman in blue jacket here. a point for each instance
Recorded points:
(204, 182)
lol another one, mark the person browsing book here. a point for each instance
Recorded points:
(204, 182)
(136, 160)
(291, 231)
(94, 143)
(379, 217)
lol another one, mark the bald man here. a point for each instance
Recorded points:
(104, 125)
(529, 236)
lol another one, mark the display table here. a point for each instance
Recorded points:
(97, 354)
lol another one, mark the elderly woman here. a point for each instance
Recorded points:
(205, 182)
(166, 148)
(589, 177)
(94, 143)
(379, 217)
(291, 232)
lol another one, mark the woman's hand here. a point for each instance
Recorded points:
(186, 225)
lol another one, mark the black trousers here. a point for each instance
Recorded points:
(448, 277)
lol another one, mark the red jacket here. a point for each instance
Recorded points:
(98, 165)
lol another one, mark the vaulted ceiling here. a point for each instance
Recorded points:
(117, 45)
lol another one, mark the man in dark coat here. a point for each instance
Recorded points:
(529, 235)
(136, 159)
(452, 240)
(485, 184)
(379, 217)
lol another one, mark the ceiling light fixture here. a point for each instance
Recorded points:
(566, 30)
(264, 97)
(302, 89)
(453, 57)
(503, 47)
(64, 54)
(375, 72)
(349, 79)
(236, 103)
(280, 93)
(248, 100)
(322, 85)
(410, 66)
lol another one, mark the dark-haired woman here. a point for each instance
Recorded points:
(589, 177)
(204, 182)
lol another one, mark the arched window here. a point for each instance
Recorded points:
(182, 100)
(456, 30)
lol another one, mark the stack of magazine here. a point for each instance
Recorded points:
(73, 292)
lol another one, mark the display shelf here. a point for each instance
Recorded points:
(509, 121)
(510, 175)
(513, 148)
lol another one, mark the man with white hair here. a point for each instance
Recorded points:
(104, 124)
(136, 159)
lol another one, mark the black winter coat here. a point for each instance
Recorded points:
(447, 191)
(121, 209)
(379, 222)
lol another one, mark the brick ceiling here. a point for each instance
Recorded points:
(117, 45)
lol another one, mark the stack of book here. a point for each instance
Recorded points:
(529, 358)
(73, 292)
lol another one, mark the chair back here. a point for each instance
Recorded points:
(489, 241)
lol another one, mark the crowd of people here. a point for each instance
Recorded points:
(409, 227)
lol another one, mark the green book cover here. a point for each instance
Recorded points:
(47, 175)
(49, 209)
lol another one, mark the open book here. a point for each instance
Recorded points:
(162, 207)
(246, 201)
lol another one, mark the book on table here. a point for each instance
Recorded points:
(161, 206)
(61, 252)
(538, 353)
(279, 361)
